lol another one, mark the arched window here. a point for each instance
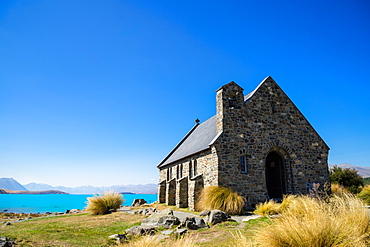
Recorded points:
(181, 170)
(244, 161)
(190, 169)
(195, 168)
(178, 172)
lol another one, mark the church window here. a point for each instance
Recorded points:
(178, 171)
(243, 164)
(195, 168)
(190, 169)
(181, 170)
(169, 173)
(244, 161)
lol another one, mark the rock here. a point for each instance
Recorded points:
(216, 216)
(164, 218)
(138, 202)
(118, 237)
(181, 231)
(141, 230)
(147, 211)
(193, 223)
(167, 232)
(167, 211)
(74, 211)
(6, 242)
(204, 213)
(67, 211)
(200, 222)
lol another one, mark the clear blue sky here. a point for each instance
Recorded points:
(98, 92)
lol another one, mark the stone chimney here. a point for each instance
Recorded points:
(229, 102)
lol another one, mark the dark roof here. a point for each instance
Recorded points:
(198, 139)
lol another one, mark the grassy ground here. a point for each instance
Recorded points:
(93, 230)
(70, 230)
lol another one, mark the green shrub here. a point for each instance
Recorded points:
(347, 177)
(365, 194)
(105, 203)
(215, 197)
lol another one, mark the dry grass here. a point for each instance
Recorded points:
(338, 189)
(215, 197)
(309, 222)
(271, 207)
(154, 241)
(105, 203)
(267, 208)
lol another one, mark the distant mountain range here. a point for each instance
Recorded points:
(363, 171)
(137, 189)
(44, 192)
(11, 184)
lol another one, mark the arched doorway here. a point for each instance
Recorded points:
(275, 177)
(198, 187)
(162, 192)
(171, 199)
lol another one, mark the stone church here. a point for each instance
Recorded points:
(259, 145)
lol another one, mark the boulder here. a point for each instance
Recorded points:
(204, 213)
(74, 211)
(216, 216)
(193, 223)
(164, 218)
(181, 232)
(6, 242)
(118, 237)
(138, 202)
(167, 211)
(167, 232)
(141, 230)
(147, 211)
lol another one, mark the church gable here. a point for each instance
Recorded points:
(268, 103)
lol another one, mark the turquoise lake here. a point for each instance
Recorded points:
(56, 203)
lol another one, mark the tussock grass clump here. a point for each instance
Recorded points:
(365, 194)
(105, 203)
(215, 197)
(310, 222)
(271, 207)
(338, 189)
(267, 208)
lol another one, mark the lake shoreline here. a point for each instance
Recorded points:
(56, 203)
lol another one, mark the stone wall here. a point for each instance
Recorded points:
(268, 122)
(206, 174)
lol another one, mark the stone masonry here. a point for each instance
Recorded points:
(259, 145)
